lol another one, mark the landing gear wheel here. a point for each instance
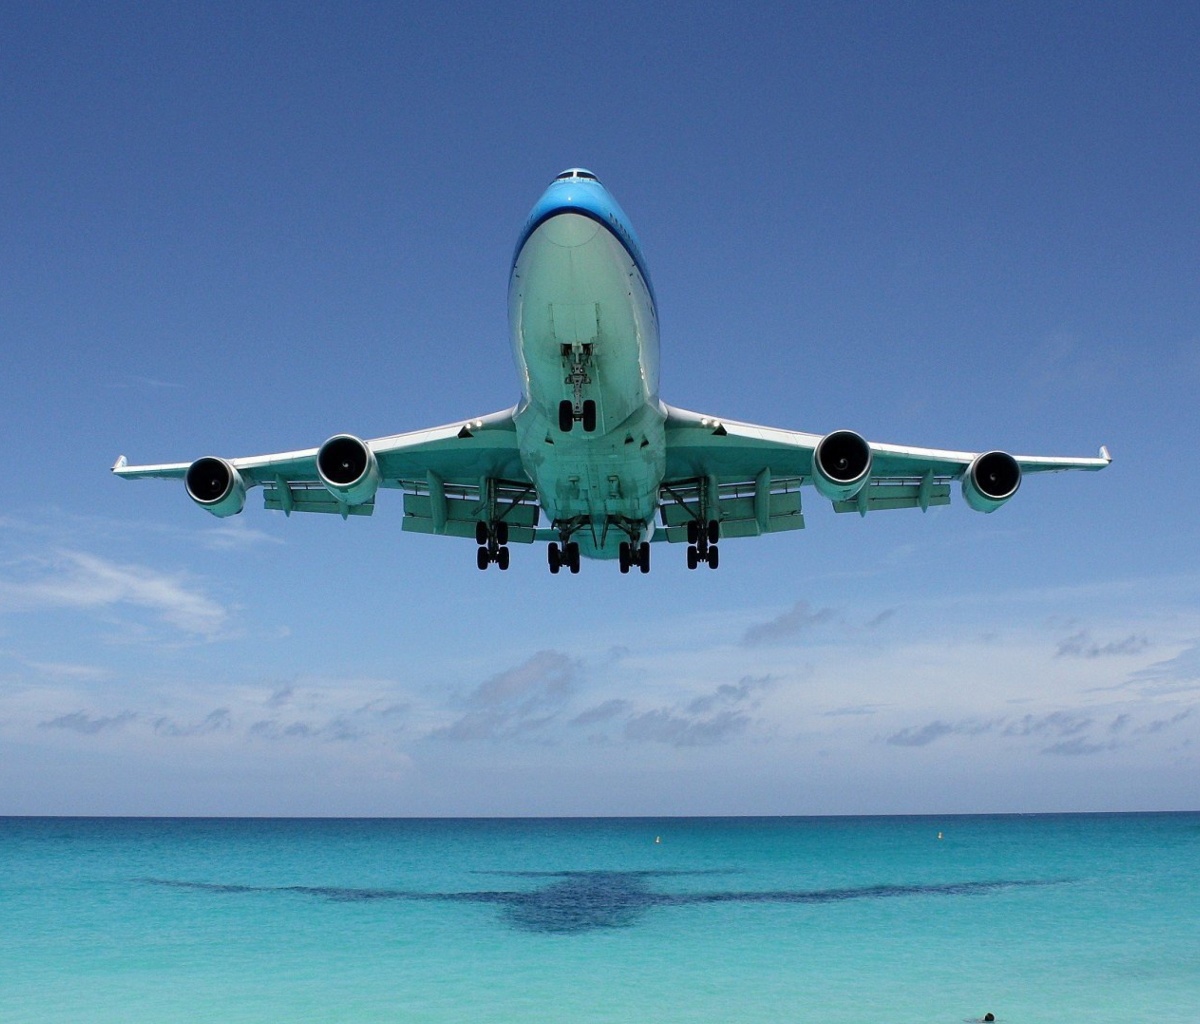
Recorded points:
(571, 556)
(502, 559)
(714, 531)
(589, 415)
(481, 533)
(712, 557)
(554, 557)
(482, 558)
(623, 556)
(566, 416)
(643, 559)
(693, 556)
(502, 533)
(693, 531)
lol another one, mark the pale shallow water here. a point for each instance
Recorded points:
(1035, 918)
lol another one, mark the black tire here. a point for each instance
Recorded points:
(554, 557)
(502, 559)
(572, 556)
(482, 558)
(589, 415)
(693, 556)
(714, 531)
(566, 416)
(502, 533)
(713, 558)
(693, 531)
(623, 556)
(481, 533)
(644, 557)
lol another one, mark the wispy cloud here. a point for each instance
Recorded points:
(75, 579)
(663, 726)
(1081, 645)
(602, 712)
(790, 624)
(218, 720)
(922, 736)
(517, 701)
(710, 718)
(88, 725)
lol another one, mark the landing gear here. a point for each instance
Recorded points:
(570, 410)
(567, 415)
(559, 555)
(630, 555)
(493, 544)
(702, 543)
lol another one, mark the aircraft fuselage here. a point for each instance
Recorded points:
(585, 339)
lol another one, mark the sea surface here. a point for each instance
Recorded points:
(880, 920)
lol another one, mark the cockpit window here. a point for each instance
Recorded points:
(576, 172)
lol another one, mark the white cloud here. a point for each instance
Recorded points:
(77, 580)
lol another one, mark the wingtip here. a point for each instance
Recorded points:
(121, 463)
(1104, 453)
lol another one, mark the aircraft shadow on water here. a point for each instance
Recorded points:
(580, 901)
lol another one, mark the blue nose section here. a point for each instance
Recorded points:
(578, 191)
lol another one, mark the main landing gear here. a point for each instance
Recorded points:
(630, 555)
(493, 544)
(702, 543)
(566, 554)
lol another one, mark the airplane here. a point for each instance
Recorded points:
(590, 461)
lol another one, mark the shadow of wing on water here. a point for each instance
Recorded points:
(581, 901)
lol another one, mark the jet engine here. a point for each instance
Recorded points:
(990, 480)
(348, 469)
(841, 465)
(216, 486)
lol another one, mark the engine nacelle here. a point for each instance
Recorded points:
(348, 469)
(990, 480)
(216, 486)
(841, 465)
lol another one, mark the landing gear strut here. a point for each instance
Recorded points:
(702, 543)
(578, 408)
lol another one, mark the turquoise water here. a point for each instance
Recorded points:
(1035, 918)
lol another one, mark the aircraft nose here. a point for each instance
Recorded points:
(570, 230)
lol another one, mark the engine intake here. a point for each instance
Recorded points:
(348, 469)
(215, 486)
(841, 465)
(990, 480)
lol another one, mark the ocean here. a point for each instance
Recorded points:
(872, 920)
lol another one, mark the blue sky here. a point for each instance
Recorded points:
(235, 229)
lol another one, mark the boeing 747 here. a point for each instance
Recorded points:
(590, 461)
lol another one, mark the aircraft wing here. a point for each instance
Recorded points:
(451, 475)
(749, 476)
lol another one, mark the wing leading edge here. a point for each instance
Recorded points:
(748, 477)
(452, 476)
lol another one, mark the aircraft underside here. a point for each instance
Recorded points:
(591, 462)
